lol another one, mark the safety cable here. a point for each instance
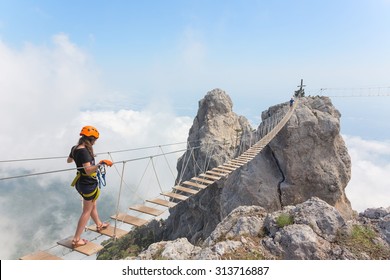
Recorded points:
(185, 163)
(142, 177)
(70, 169)
(127, 185)
(101, 153)
(166, 160)
(143, 148)
(119, 197)
(36, 174)
(155, 173)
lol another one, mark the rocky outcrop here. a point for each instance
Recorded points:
(308, 231)
(381, 218)
(307, 158)
(216, 130)
(313, 156)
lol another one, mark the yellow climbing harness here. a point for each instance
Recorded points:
(79, 174)
(95, 193)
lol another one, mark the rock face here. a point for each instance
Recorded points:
(381, 218)
(217, 130)
(307, 158)
(312, 155)
(314, 230)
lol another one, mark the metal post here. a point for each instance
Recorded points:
(119, 196)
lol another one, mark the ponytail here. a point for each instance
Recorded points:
(88, 142)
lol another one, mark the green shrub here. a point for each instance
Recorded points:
(362, 240)
(284, 219)
(129, 245)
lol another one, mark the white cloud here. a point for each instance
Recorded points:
(369, 186)
(43, 89)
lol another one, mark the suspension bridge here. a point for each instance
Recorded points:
(157, 206)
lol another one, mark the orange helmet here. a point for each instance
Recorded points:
(89, 131)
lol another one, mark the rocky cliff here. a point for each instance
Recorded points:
(307, 158)
(289, 202)
(216, 130)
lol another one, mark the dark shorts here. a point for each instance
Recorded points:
(88, 192)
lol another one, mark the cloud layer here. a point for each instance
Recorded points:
(369, 186)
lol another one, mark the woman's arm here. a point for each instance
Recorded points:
(89, 169)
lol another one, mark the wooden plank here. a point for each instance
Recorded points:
(129, 219)
(216, 173)
(175, 195)
(40, 255)
(202, 180)
(109, 231)
(222, 170)
(210, 176)
(256, 147)
(250, 153)
(244, 160)
(88, 249)
(194, 184)
(245, 157)
(235, 165)
(227, 167)
(239, 161)
(250, 156)
(147, 210)
(260, 146)
(187, 190)
(162, 202)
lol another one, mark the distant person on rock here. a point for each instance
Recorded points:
(86, 181)
(292, 101)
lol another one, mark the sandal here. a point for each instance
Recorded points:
(102, 226)
(76, 243)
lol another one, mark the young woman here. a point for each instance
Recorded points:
(86, 182)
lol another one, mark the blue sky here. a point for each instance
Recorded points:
(178, 50)
(137, 69)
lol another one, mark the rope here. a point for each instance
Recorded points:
(142, 178)
(143, 148)
(186, 165)
(118, 151)
(127, 185)
(70, 169)
(155, 173)
(208, 158)
(169, 167)
(36, 174)
(371, 92)
(119, 197)
(32, 159)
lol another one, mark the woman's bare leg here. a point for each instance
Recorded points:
(95, 214)
(88, 206)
